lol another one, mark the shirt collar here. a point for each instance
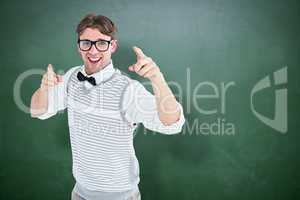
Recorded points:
(103, 75)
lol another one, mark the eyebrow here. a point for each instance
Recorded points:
(95, 40)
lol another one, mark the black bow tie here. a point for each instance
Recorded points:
(82, 77)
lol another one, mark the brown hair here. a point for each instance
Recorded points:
(100, 22)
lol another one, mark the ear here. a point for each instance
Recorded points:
(114, 46)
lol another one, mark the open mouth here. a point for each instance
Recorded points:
(94, 60)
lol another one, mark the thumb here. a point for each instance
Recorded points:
(50, 68)
(131, 68)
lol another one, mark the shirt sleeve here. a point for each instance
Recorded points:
(57, 96)
(139, 106)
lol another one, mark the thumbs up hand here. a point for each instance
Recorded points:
(144, 65)
(50, 79)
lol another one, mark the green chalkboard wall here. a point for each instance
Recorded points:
(217, 48)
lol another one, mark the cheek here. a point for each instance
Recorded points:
(83, 55)
(107, 54)
(80, 53)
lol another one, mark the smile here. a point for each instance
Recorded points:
(94, 60)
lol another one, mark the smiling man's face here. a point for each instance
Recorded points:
(95, 60)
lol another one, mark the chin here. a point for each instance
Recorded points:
(91, 68)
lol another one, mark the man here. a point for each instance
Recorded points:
(104, 108)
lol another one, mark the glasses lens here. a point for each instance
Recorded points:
(85, 44)
(102, 45)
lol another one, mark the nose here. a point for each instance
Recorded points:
(93, 49)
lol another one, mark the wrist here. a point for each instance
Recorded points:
(159, 77)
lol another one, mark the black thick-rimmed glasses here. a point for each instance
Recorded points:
(86, 45)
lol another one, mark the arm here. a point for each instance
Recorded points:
(39, 100)
(139, 106)
(167, 106)
(39, 103)
(51, 97)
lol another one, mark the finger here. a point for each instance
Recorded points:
(59, 78)
(145, 69)
(48, 86)
(140, 63)
(131, 68)
(48, 83)
(49, 80)
(51, 75)
(50, 68)
(44, 77)
(50, 72)
(139, 53)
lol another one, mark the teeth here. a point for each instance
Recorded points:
(94, 59)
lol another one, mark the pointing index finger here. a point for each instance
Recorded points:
(139, 53)
(50, 68)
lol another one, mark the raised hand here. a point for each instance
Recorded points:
(50, 78)
(144, 65)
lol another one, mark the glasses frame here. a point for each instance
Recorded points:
(94, 43)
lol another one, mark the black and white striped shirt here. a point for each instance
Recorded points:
(102, 120)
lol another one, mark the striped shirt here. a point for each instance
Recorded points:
(102, 120)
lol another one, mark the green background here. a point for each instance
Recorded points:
(218, 40)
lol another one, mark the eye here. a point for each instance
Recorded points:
(102, 42)
(85, 43)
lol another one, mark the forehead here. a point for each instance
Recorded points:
(93, 34)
